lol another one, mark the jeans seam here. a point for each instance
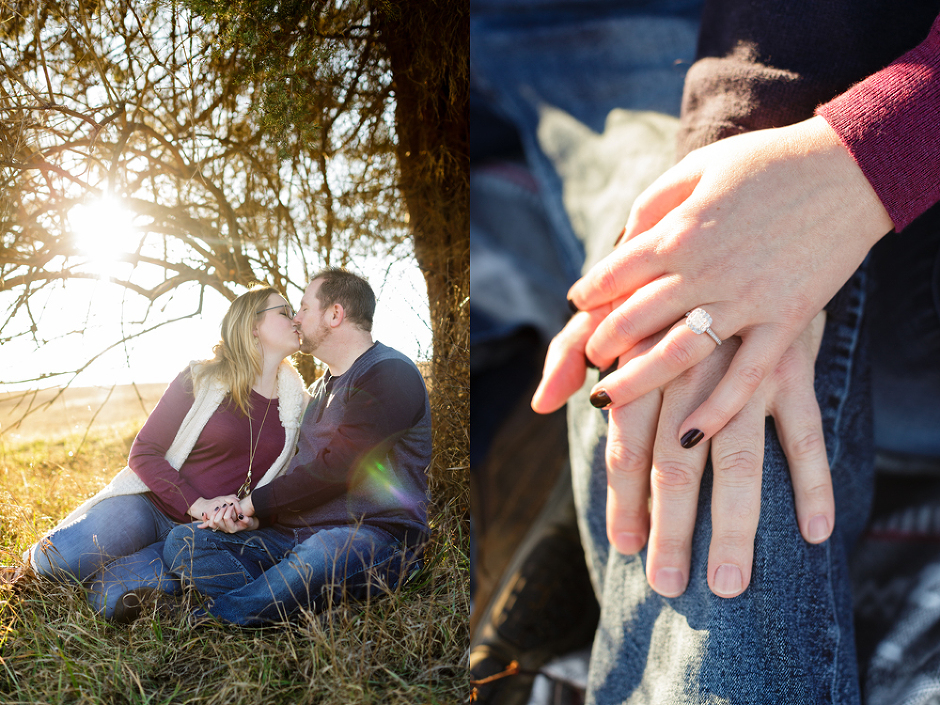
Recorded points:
(856, 305)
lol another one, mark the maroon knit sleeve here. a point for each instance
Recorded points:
(147, 456)
(890, 122)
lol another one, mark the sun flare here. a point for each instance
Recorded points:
(103, 229)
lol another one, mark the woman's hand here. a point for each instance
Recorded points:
(231, 516)
(760, 230)
(203, 508)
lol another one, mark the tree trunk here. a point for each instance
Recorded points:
(428, 45)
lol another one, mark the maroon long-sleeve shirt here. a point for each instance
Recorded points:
(890, 122)
(218, 463)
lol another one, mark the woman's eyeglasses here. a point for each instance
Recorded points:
(288, 311)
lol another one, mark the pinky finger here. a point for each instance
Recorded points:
(799, 426)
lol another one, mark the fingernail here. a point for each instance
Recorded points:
(591, 365)
(669, 582)
(600, 399)
(691, 438)
(571, 305)
(728, 580)
(612, 368)
(620, 236)
(217, 508)
(818, 528)
(241, 516)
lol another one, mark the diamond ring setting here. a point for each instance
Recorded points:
(698, 321)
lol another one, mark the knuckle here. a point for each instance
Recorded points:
(749, 376)
(720, 415)
(734, 540)
(808, 444)
(792, 371)
(738, 468)
(624, 326)
(672, 477)
(819, 493)
(671, 546)
(679, 352)
(625, 461)
(607, 281)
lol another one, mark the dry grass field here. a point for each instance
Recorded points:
(52, 413)
(405, 647)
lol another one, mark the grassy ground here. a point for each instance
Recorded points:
(407, 647)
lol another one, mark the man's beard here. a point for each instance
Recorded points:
(310, 344)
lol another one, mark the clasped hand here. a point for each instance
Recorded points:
(760, 230)
(227, 513)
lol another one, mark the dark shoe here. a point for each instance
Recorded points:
(130, 604)
(544, 608)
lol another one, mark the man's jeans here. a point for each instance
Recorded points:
(263, 576)
(112, 549)
(789, 637)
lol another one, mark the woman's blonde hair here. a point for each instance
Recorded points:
(237, 362)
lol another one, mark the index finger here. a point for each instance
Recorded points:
(629, 455)
(565, 362)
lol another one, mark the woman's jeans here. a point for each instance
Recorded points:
(263, 576)
(115, 547)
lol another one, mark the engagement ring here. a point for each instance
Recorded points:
(700, 322)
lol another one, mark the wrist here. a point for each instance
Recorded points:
(841, 166)
(196, 509)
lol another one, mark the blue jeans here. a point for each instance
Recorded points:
(789, 637)
(263, 576)
(110, 550)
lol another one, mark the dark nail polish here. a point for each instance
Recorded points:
(612, 368)
(241, 516)
(620, 236)
(600, 399)
(691, 438)
(571, 305)
(591, 365)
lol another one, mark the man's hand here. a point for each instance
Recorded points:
(230, 515)
(645, 459)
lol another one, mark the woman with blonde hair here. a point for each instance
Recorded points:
(223, 427)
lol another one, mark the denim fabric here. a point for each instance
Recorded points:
(905, 345)
(263, 576)
(143, 569)
(108, 549)
(789, 637)
(529, 60)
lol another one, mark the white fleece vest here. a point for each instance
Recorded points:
(292, 399)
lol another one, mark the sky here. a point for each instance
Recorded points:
(87, 315)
